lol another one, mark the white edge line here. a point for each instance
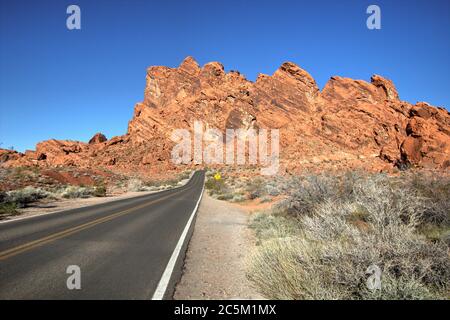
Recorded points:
(111, 200)
(165, 278)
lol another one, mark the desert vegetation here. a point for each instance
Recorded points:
(25, 186)
(233, 188)
(319, 242)
(11, 201)
(135, 184)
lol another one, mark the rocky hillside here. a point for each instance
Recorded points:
(349, 124)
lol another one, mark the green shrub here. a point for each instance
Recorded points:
(100, 190)
(216, 186)
(7, 209)
(3, 196)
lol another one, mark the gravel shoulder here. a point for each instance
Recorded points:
(215, 260)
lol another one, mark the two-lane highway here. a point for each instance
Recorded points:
(122, 247)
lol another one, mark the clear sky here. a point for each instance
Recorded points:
(56, 83)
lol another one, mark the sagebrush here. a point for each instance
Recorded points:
(320, 241)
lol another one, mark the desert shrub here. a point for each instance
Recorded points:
(151, 185)
(237, 189)
(8, 209)
(152, 188)
(400, 288)
(72, 192)
(3, 196)
(336, 229)
(237, 198)
(135, 185)
(216, 186)
(182, 182)
(255, 188)
(170, 182)
(266, 199)
(436, 192)
(184, 175)
(225, 196)
(99, 190)
(272, 190)
(268, 226)
(20, 173)
(304, 193)
(29, 194)
(295, 268)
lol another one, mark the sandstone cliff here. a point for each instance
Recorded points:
(349, 124)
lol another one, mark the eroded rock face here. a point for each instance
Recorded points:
(349, 124)
(386, 86)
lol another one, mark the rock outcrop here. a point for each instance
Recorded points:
(349, 124)
(98, 138)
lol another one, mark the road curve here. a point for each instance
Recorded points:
(122, 247)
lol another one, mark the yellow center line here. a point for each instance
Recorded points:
(39, 242)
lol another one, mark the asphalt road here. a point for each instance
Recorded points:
(122, 247)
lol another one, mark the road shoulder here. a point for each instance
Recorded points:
(215, 260)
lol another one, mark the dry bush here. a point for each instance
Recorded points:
(435, 219)
(333, 230)
(266, 199)
(268, 226)
(307, 192)
(135, 185)
(237, 198)
(216, 187)
(73, 192)
(255, 188)
(27, 195)
(272, 189)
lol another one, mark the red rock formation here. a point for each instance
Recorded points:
(9, 155)
(349, 124)
(98, 138)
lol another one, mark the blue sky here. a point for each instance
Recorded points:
(56, 83)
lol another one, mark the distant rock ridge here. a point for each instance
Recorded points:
(349, 124)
